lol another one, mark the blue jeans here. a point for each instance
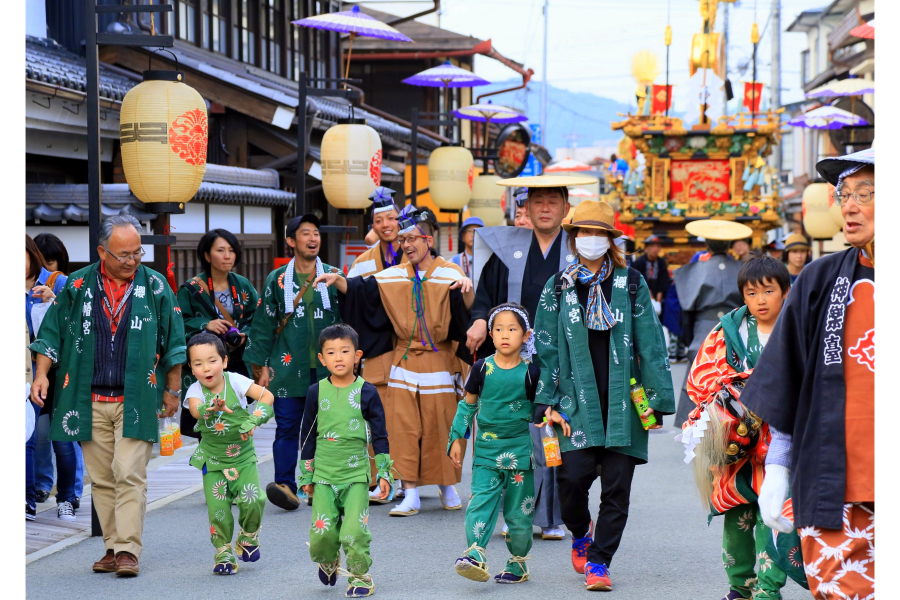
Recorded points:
(44, 459)
(65, 489)
(286, 447)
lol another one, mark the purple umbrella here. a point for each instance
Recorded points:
(446, 76)
(827, 117)
(485, 113)
(355, 23)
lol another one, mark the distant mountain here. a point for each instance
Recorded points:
(573, 118)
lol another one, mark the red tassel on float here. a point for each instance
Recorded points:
(170, 266)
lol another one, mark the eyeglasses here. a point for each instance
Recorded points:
(409, 239)
(136, 257)
(862, 198)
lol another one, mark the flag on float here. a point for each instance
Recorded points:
(662, 99)
(752, 96)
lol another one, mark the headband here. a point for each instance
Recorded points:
(411, 221)
(528, 347)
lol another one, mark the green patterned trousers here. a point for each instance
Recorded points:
(340, 515)
(743, 545)
(240, 484)
(488, 485)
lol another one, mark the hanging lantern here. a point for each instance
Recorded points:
(486, 200)
(817, 220)
(451, 171)
(351, 164)
(834, 209)
(163, 133)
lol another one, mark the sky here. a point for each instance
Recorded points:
(591, 42)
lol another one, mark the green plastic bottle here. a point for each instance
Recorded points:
(641, 404)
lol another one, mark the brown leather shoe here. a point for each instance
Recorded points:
(126, 565)
(107, 564)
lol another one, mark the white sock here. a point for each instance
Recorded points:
(411, 501)
(451, 498)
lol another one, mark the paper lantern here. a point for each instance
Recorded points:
(834, 209)
(451, 171)
(817, 220)
(163, 133)
(486, 201)
(351, 164)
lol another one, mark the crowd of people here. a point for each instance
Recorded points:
(378, 381)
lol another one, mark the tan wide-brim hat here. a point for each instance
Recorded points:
(547, 181)
(795, 241)
(715, 229)
(593, 214)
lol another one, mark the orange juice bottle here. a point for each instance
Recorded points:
(552, 455)
(176, 434)
(166, 441)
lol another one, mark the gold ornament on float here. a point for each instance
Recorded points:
(451, 174)
(486, 202)
(163, 133)
(351, 164)
(817, 220)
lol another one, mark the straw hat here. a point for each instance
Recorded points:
(593, 214)
(715, 229)
(545, 181)
(795, 241)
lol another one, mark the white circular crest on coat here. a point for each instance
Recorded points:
(517, 254)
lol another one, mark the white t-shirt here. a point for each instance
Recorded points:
(239, 384)
(763, 337)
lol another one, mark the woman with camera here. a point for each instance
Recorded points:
(217, 300)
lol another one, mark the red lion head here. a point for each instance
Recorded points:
(375, 168)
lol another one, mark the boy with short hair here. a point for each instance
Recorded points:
(341, 412)
(730, 443)
(225, 455)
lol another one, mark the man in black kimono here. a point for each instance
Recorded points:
(814, 384)
(517, 262)
(654, 269)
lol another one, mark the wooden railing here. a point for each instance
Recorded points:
(840, 35)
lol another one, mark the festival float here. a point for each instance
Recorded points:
(706, 165)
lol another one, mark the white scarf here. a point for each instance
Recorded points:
(289, 287)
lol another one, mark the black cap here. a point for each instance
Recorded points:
(295, 223)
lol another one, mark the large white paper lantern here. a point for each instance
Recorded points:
(351, 164)
(163, 134)
(451, 173)
(817, 220)
(486, 201)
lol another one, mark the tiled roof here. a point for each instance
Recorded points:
(48, 62)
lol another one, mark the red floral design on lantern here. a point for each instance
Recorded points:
(375, 168)
(188, 136)
(471, 176)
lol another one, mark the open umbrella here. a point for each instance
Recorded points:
(567, 165)
(865, 31)
(844, 87)
(827, 117)
(581, 193)
(487, 113)
(446, 76)
(355, 23)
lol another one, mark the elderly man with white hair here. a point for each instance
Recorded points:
(115, 332)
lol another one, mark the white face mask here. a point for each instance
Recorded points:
(592, 247)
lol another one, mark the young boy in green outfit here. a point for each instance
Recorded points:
(730, 445)
(501, 390)
(225, 455)
(339, 415)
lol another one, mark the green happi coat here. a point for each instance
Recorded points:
(288, 356)
(198, 313)
(155, 345)
(637, 349)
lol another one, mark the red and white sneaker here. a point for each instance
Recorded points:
(579, 550)
(596, 577)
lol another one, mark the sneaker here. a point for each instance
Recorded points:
(30, 513)
(65, 511)
(76, 503)
(596, 577)
(580, 548)
(360, 586)
(471, 568)
(328, 572)
(552, 533)
(41, 496)
(282, 496)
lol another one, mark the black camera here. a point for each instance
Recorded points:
(232, 337)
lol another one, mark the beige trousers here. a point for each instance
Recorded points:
(118, 469)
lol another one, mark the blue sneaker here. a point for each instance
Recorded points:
(596, 577)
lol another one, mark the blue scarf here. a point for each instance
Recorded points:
(599, 317)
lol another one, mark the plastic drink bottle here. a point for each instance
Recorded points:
(166, 441)
(641, 404)
(176, 434)
(552, 455)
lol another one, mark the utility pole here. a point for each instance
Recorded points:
(544, 83)
(725, 58)
(775, 102)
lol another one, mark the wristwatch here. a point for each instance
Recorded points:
(177, 394)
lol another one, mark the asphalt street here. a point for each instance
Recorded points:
(667, 551)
